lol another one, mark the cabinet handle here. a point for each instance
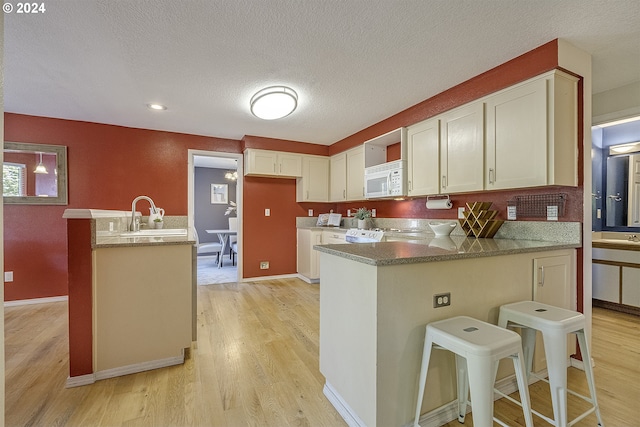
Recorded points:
(344, 193)
(410, 187)
(280, 167)
(274, 168)
(307, 194)
(444, 181)
(491, 176)
(541, 277)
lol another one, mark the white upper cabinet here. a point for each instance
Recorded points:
(532, 134)
(272, 163)
(314, 184)
(355, 173)
(347, 175)
(338, 178)
(423, 153)
(462, 149)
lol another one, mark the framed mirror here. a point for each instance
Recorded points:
(34, 174)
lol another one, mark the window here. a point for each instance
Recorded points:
(14, 179)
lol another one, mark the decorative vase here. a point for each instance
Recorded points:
(362, 224)
(159, 224)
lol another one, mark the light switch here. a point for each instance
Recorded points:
(310, 212)
(267, 212)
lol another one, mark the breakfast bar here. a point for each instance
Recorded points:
(376, 298)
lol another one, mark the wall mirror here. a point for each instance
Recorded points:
(34, 174)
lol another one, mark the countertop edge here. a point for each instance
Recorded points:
(141, 243)
(335, 250)
(617, 246)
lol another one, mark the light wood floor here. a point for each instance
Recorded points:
(256, 363)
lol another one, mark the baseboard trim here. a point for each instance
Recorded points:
(35, 301)
(306, 279)
(259, 278)
(347, 414)
(435, 418)
(139, 367)
(80, 380)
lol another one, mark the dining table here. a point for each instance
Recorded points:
(223, 236)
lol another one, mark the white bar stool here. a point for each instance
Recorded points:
(555, 324)
(478, 347)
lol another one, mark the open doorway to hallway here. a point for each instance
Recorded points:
(215, 212)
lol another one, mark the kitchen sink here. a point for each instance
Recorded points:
(163, 232)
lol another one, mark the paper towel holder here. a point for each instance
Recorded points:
(440, 197)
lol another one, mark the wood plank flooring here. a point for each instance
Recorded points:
(255, 364)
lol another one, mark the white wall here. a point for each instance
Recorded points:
(615, 104)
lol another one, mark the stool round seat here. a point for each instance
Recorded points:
(478, 347)
(555, 324)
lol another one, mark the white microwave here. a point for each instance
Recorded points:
(385, 180)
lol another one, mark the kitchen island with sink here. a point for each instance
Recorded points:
(131, 296)
(376, 298)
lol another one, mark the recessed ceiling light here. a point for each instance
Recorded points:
(157, 107)
(274, 102)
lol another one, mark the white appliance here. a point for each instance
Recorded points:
(385, 180)
(356, 235)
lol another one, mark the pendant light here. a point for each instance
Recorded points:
(40, 168)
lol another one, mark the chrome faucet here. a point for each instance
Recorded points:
(633, 238)
(135, 223)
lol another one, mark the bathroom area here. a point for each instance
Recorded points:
(615, 207)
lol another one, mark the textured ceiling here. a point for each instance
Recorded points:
(352, 62)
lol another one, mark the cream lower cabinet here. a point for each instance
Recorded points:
(462, 149)
(314, 184)
(552, 281)
(616, 276)
(308, 258)
(272, 163)
(532, 134)
(423, 152)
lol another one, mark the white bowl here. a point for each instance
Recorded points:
(442, 228)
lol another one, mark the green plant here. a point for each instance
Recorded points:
(362, 213)
(157, 220)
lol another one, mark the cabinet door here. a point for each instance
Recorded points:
(289, 165)
(516, 149)
(260, 162)
(338, 178)
(606, 282)
(423, 163)
(631, 286)
(462, 149)
(314, 184)
(355, 174)
(551, 285)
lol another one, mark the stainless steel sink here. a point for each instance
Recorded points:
(164, 232)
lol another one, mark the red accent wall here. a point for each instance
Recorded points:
(108, 167)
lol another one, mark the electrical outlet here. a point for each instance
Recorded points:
(267, 212)
(442, 300)
(310, 212)
(461, 212)
(264, 265)
(8, 276)
(373, 213)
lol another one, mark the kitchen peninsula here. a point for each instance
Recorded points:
(376, 298)
(130, 296)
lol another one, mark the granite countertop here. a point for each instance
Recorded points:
(114, 240)
(433, 249)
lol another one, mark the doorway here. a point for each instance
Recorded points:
(215, 204)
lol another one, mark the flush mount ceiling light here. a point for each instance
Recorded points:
(40, 168)
(156, 107)
(274, 102)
